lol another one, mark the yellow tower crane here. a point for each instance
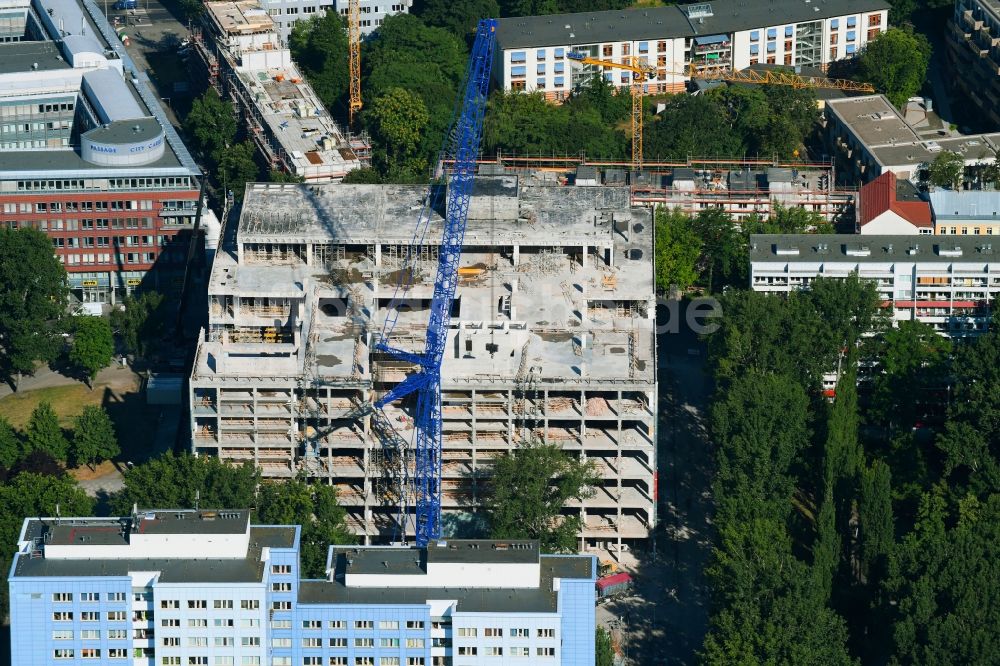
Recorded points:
(354, 50)
(642, 72)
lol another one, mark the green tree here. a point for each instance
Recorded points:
(363, 176)
(912, 363)
(32, 302)
(458, 18)
(528, 489)
(429, 62)
(691, 126)
(275, 176)
(876, 527)
(602, 647)
(94, 437)
(945, 583)
(237, 167)
(44, 434)
(139, 320)
(725, 251)
(176, 481)
(320, 46)
(212, 124)
(315, 508)
(11, 447)
(397, 120)
(895, 62)
(947, 170)
(677, 249)
(93, 346)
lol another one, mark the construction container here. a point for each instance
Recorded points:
(615, 585)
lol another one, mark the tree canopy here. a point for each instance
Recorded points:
(176, 481)
(677, 250)
(32, 302)
(93, 345)
(139, 320)
(44, 433)
(319, 45)
(895, 62)
(528, 488)
(398, 120)
(946, 170)
(94, 437)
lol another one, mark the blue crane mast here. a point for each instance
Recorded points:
(464, 144)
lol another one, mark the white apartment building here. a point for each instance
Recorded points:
(948, 282)
(286, 12)
(724, 33)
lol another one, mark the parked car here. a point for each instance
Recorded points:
(126, 4)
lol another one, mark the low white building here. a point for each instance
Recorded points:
(949, 283)
(285, 13)
(730, 33)
(890, 206)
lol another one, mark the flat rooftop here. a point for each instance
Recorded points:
(499, 599)
(397, 560)
(857, 249)
(31, 57)
(240, 18)
(879, 126)
(722, 17)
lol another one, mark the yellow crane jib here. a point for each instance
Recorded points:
(641, 71)
(354, 56)
(777, 77)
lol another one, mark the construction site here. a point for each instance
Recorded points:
(243, 58)
(551, 340)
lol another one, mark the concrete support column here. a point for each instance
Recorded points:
(517, 255)
(309, 254)
(583, 257)
(378, 254)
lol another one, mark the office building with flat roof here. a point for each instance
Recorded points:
(733, 34)
(207, 587)
(86, 152)
(948, 282)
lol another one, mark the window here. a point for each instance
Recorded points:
(63, 653)
(197, 661)
(171, 661)
(835, 24)
(312, 661)
(558, 82)
(546, 652)
(171, 622)
(223, 641)
(540, 82)
(90, 653)
(312, 624)
(337, 624)
(364, 642)
(414, 661)
(519, 633)
(467, 650)
(494, 651)
(117, 634)
(754, 49)
(643, 47)
(754, 35)
(62, 616)
(171, 641)
(519, 71)
(224, 661)
(62, 635)
(388, 661)
(222, 603)
(874, 20)
(196, 603)
(546, 633)
(281, 605)
(250, 604)
(520, 652)
(560, 53)
(788, 46)
(338, 642)
(540, 54)
(607, 50)
(852, 21)
(771, 47)
(414, 624)
(772, 33)
(388, 624)
(338, 661)
(281, 642)
(517, 56)
(873, 33)
(833, 53)
(90, 634)
(788, 58)
(364, 661)
(850, 49)
(312, 642)
(281, 568)
(117, 653)
(251, 641)
(833, 38)
(364, 624)
(198, 623)
(62, 597)
(851, 35)
(197, 641)
(169, 603)
(281, 624)
(468, 632)
(492, 632)
(540, 68)
(414, 643)
(250, 661)
(788, 31)
(91, 597)
(388, 642)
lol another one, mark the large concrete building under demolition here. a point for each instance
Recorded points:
(552, 340)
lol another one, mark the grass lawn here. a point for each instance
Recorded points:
(135, 421)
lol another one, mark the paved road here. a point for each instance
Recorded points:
(666, 621)
(45, 377)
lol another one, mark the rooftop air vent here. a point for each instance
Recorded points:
(699, 11)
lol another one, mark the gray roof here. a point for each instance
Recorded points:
(470, 600)
(668, 22)
(23, 56)
(249, 569)
(39, 163)
(965, 205)
(826, 248)
(111, 96)
(396, 560)
(127, 131)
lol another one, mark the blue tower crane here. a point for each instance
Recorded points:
(464, 139)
